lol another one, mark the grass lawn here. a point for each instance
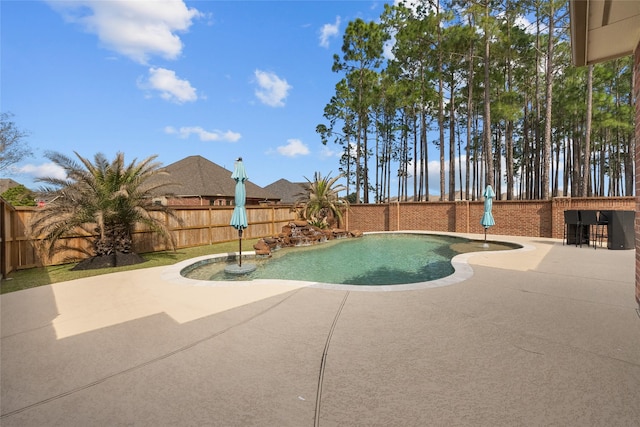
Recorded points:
(33, 277)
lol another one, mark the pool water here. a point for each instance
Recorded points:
(372, 260)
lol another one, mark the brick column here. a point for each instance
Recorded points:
(636, 93)
(558, 206)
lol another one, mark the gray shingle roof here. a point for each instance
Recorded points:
(287, 191)
(197, 176)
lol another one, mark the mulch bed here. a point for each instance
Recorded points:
(105, 261)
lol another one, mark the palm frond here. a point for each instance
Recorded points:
(103, 199)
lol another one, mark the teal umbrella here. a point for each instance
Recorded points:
(487, 218)
(239, 217)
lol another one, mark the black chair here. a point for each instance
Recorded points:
(589, 219)
(572, 225)
(602, 227)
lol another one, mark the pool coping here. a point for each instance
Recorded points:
(460, 263)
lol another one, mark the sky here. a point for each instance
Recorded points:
(219, 79)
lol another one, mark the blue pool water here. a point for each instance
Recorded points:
(375, 259)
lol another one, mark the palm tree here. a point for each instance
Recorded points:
(320, 203)
(102, 200)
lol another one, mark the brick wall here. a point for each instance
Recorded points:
(513, 218)
(189, 201)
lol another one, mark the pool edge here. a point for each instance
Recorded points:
(462, 269)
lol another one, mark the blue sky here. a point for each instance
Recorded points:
(220, 79)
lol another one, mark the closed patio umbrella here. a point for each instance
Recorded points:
(487, 218)
(239, 217)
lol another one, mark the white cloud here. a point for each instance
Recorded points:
(204, 135)
(272, 90)
(136, 29)
(530, 27)
(171, 87)
(294, 148)
(416, 5)
(387, 48)
(524, 23)
(328, 31)
(327, 153)
(45, 170)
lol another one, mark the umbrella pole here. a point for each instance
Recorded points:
(485, 234)
(240, 247)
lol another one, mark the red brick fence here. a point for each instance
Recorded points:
(513, 218)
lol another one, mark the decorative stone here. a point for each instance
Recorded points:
(271, 242)
(300, 233)
(262, 248)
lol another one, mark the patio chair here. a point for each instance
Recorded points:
(572, 225)
(601, 228)
(589, 219)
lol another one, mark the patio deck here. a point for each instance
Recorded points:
(547, 336)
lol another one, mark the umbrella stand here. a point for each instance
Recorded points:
(240, 247)
(239, 217)
(237, 269)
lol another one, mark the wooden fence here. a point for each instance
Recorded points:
(200, 226)
(210, 224)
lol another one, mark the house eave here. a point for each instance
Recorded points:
(602, 30)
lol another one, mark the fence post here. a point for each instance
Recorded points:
(3, 240)
(209, 229)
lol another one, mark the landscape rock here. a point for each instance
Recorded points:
(262, 248)
(300, 233)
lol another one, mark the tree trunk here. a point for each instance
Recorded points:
(440, 104)
(546, 151)
(469, 116)
(452, 143)
(586, 190)
(488, 152)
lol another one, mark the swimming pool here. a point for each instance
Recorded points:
(378, 259)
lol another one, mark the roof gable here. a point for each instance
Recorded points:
(197, 176)
(287, 191)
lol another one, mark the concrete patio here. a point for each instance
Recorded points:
(549, 335)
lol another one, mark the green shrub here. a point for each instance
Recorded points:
(19, 196)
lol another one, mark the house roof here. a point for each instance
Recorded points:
(197, 176)
(603, 29)
(7, 183)
(287, 191)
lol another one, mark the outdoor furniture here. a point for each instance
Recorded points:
(589, 219)
(601, 227)
(620, 230)
(573, 230)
